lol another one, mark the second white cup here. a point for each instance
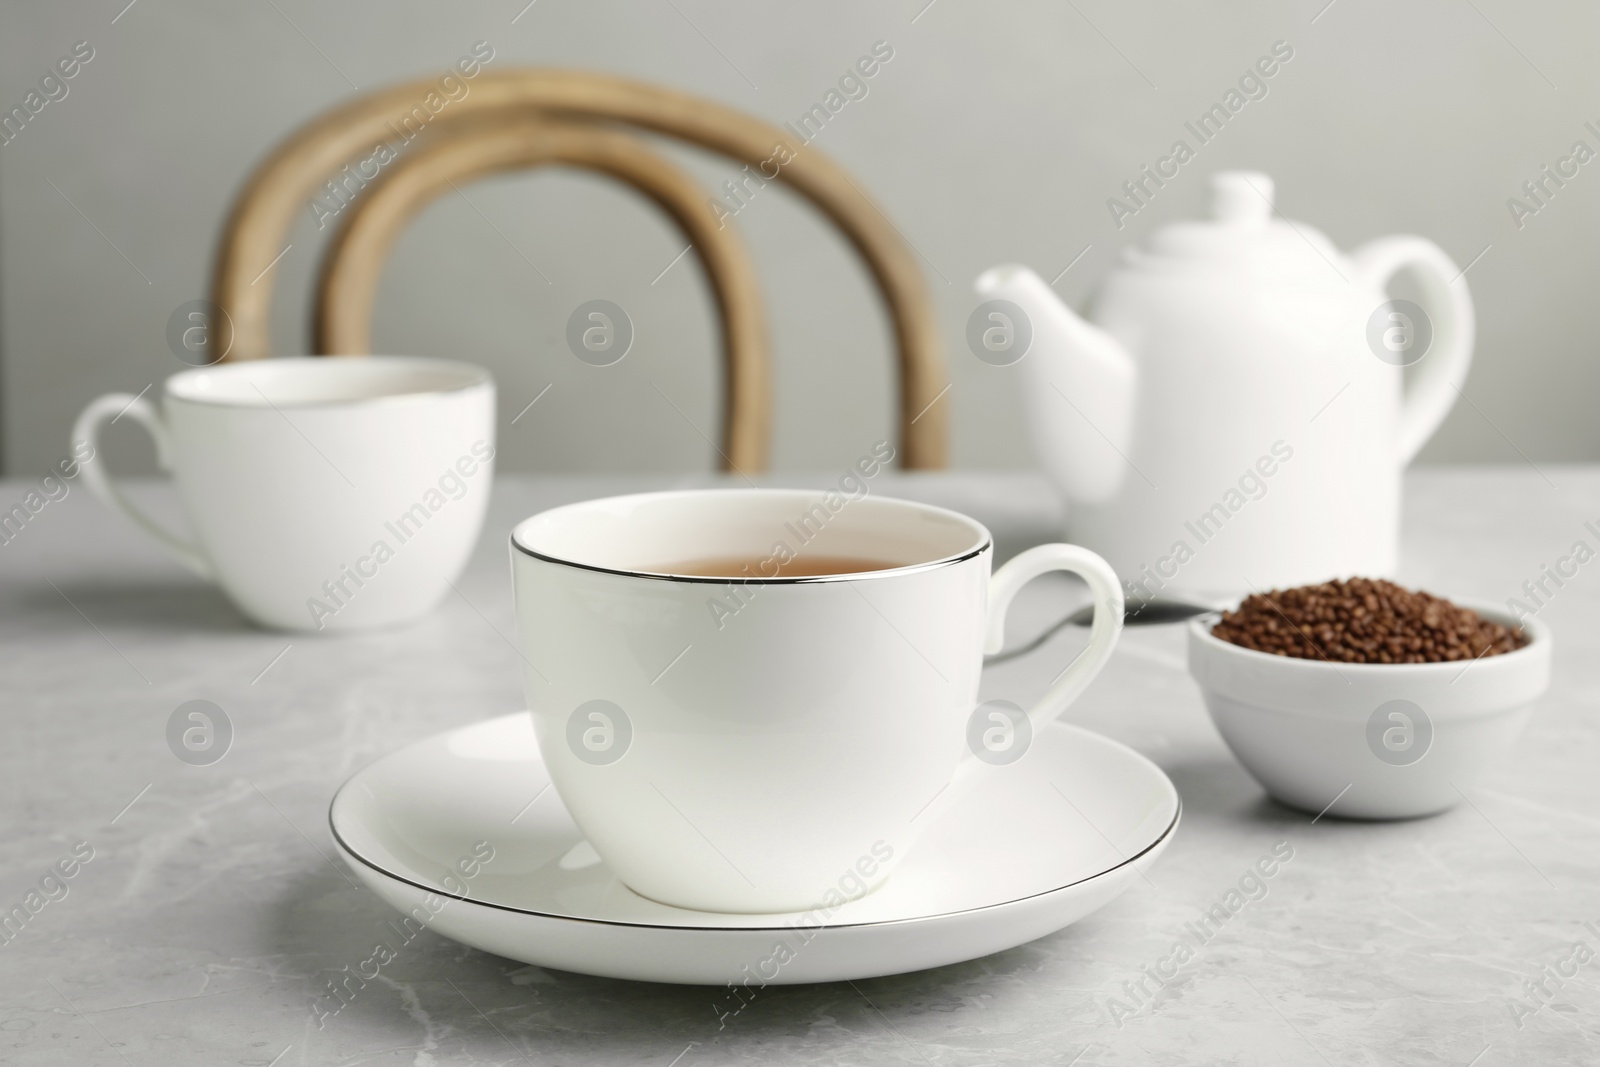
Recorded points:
(323, 493)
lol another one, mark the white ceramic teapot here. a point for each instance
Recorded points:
(1236, 417)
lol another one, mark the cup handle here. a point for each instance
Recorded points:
(111, 407)
(1103, 634)
(1108, 610)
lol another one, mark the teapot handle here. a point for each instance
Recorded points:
(1444, 367)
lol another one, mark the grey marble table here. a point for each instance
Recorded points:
(211, 910)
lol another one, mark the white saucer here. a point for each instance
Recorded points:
(1036, 845)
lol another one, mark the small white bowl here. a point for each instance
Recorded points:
(1369, 740)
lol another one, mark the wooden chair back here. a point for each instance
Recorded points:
(571, 103)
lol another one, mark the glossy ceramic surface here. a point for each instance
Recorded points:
(1235, 415)
(1054, 836)
(1376, 741)
(756, 744)
(330, 493)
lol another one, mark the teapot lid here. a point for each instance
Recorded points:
(1242, 233)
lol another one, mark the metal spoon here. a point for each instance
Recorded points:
(1145, 613)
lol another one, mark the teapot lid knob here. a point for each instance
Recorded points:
(1241, 196)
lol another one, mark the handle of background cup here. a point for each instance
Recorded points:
(111, 407)
(1108, 609)
(1444, 367)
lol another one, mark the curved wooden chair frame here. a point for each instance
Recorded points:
(354, 261)
(279, 188)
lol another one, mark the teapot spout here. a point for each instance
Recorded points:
(1079, 387)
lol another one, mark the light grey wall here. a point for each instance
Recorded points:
(997, 132)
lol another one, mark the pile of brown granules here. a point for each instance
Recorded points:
(1363, 620)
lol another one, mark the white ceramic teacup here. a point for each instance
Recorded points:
(766, 744)
(323, 493)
